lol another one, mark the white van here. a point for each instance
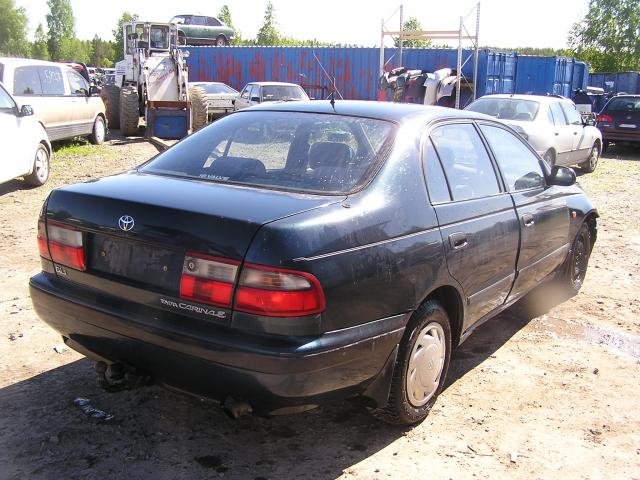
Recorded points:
(61, 98)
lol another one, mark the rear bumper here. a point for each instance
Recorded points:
(269, 373)
(613, 135)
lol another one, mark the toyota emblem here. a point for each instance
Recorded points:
(126, 223)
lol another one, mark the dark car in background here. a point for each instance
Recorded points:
(296, 253)
(619, 120)
(201, 30)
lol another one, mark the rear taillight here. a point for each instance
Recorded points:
(43, 248)
(278, 293)
(65, 246)
(604, 118)
(208, 279)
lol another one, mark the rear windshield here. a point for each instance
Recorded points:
(624, 104)
(283, 92)
(316, 153)
(506, 108)
(216, 88)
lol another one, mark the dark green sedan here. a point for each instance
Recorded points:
(200, 30)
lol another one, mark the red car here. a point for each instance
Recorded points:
(619, 120)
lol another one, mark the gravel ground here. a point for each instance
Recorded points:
(549, 397)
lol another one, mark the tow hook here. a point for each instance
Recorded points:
(235, 408)
(116, 377)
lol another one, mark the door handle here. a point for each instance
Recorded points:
(458, 240)
(556, 133)
(575, 133)
(528, 220)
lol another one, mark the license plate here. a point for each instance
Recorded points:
(627, 125)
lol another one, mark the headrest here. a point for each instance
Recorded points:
(329, 154)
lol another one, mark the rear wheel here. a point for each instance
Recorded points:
(111, 97)
(97, 136)
(221, 41)
(129, 111)
(40, 172)
(574, 269)
(199, 108)
(550, 157)
(592, 162)
(421, 366)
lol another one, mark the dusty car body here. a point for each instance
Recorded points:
(551, 124)
(210, 101)
(295, 253)
(201, 30)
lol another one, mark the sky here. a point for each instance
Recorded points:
(503, 23)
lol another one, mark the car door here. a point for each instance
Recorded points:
(563, 134)
(242, 101)
(542, 210)
(80, 102)
(13, 161)
(478, 222)
(581, 147)
(199, 27)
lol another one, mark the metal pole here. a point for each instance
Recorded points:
(475, 53)
(382, 47)
(459, 66)
(401, 31)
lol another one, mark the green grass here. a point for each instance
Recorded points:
(73, 149)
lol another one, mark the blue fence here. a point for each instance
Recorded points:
(628, 82)
(355, 70)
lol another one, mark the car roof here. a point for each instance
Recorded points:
(29, 61)
(395, 112)
(273, 83)
(535, 98)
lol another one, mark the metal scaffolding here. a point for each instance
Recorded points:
(461, 35)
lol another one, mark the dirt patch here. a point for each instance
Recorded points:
(549, 397)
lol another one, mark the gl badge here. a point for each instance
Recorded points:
(126, 223)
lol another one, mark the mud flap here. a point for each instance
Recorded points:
(378, 390)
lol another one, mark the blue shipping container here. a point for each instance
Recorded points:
(355, 71)
(628, 82)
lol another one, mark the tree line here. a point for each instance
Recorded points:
(608, 37)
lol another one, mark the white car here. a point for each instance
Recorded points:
(551, 124)
(26, 146)
(258, 92)
(210, 101)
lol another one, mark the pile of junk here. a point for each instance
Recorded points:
(421, 86)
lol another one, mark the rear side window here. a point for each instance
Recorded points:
(573, 116)
(520, 167)
(465, 161)
(623, 104)
(436, 182)
(26, 81)
(558, 116)
(308, 152)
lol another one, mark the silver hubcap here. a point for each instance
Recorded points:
(426, 364)
(99, 130)
(594, 158)
(41, 165)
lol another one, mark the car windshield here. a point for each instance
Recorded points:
(506, 108)
(283, 92)
(624, 104)
(216, 88)
(310, 152)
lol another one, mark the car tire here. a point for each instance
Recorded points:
(129, 111)
(199, 108)
(221, 41)
(605, 145)
(40, 172)
(423, 356)
(550, 157)
(574, 270)
(590, 165)
(99, 131)
(110, 95)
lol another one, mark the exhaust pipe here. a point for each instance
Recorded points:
(235, 408)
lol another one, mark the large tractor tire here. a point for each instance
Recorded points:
(129, 111)
(110, 95)
(199, 108)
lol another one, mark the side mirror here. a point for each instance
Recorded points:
(562, 176)
(233, 102)
(93, 90)
(589, 122)
(26, 111)
(255, 99)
